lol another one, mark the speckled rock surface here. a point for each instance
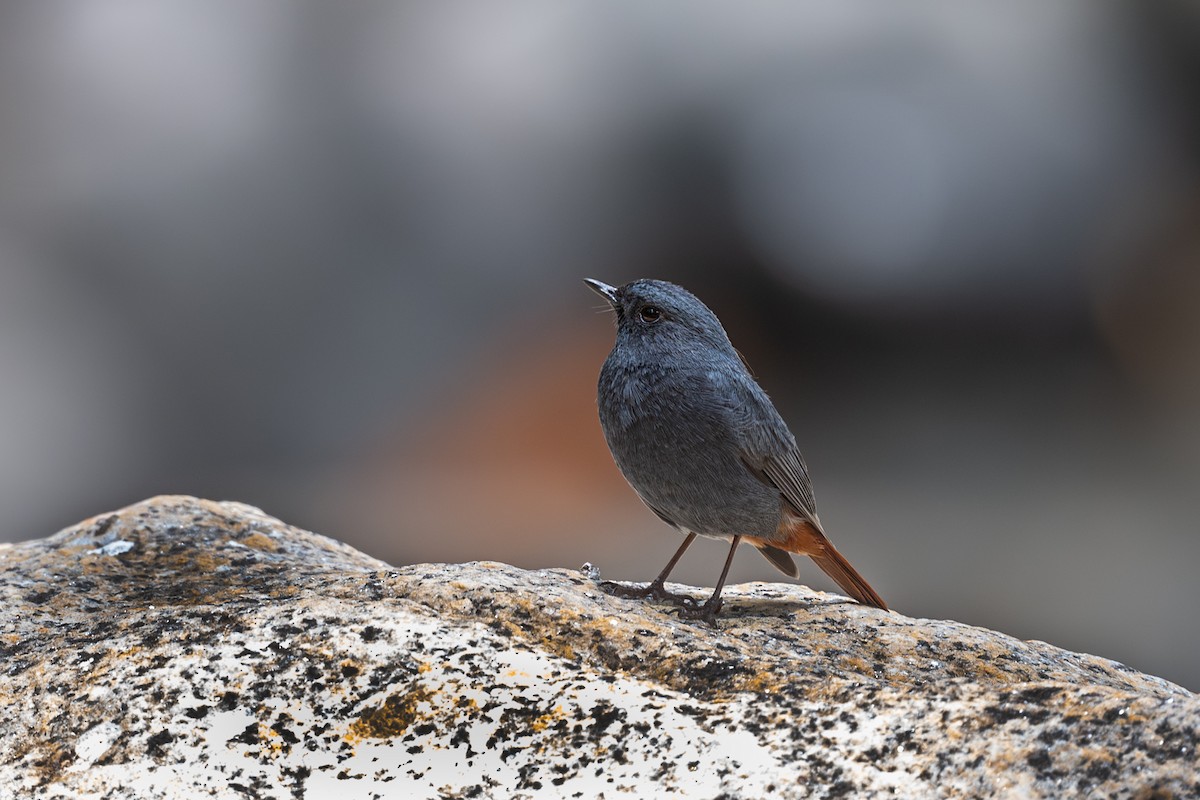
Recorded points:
(183, 648)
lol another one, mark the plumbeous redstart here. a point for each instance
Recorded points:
(702, 444)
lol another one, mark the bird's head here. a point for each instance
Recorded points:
(661, 314)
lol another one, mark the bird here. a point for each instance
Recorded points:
(702, 444)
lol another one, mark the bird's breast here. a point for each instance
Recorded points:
(672, 439)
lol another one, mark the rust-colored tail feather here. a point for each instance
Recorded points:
(835, 565)
(803, 536)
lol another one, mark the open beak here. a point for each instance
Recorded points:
(609, 293)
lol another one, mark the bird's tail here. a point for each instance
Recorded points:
(803, 535)
(835, 565)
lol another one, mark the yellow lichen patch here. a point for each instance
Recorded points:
(512, 628)
(260, 541)
(114, 658)
(761, 682)
(1093, 755)
(274, 743)
(554, 642)
(853, 663)
(393, 717)
(543, 721)
(204, 563)
(50, 759)
(985, 672)
(560, 649)
(1115, 710)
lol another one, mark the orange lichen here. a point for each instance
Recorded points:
(540, 723)
(391, 718)
(260, 541)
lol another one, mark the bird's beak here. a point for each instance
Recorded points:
(609, 293)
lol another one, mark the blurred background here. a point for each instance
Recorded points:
(327, 260)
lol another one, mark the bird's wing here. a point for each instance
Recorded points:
(788, 473)
(769, 450)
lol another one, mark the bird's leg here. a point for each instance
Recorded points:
(656, 588)
(708, 612)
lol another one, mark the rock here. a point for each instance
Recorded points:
(185, 648)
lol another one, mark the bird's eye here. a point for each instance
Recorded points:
(650, 314)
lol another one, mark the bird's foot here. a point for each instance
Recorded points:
(704, 612)
(654, 590)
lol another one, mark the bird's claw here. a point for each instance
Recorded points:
(703, 612)
(654, 591)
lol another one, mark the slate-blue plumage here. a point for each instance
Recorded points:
(699, 440)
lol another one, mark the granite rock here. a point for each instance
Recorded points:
(184, 648)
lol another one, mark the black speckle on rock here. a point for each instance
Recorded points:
(1038, 694)
(229, 701)
(374, 588)
(370, 633)
(102, 527)
(526, 779)
(157, 743)
(1039, 760)
(281, 728)
(14, 667)
(1112, 715)
(1052, 734)
(196, 712)
(706, 673)
(37, 598)
(249, 735)
(604, 714)
(842, 788)
(462, 736)
(1004, 713)
(299, 776)
(1099, 771)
